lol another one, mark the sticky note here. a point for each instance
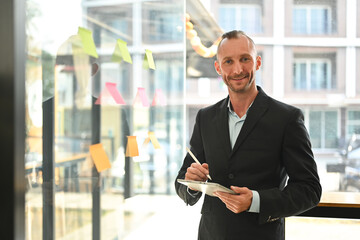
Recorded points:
(99, 157)
(110, 91)
(141, 97)
(87, 41)
(121, 52)
(131, 147)
(151, 137)
(159, 98)
(146, 142)
(148, 60)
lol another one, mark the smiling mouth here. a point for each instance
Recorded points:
(238, 78)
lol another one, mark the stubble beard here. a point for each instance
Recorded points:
(235, 89)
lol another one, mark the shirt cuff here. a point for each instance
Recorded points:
(255, 204)
(192, 192)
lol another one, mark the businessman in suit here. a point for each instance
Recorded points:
(257, 146)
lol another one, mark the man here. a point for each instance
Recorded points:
(257, 146)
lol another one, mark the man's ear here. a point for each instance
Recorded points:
(258, 62)
(94, 69)
(217, 67)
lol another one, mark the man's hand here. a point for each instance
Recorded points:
(237, 203)
(197, 172)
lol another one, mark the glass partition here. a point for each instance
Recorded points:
(113, 88)
(105, 115)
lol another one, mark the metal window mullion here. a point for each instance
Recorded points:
(308, 74)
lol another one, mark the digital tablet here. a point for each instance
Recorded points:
(206, 187)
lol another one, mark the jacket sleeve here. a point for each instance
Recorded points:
(197, 149)
(303, 189)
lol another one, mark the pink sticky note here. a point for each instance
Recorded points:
(110, 89)
(141, 96)
(159, 98)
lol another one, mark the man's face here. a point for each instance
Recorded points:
(237, 63)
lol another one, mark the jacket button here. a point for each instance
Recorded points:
(231, 176)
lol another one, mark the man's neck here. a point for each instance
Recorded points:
(240, 102)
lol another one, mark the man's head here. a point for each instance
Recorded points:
(237, 61)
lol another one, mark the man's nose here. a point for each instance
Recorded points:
(238, 68)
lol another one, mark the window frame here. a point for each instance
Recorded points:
(238, 8)
(323, 129)
(308, 19)
(308, 62)
(352, 122)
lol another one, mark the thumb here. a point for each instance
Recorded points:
(239, 190)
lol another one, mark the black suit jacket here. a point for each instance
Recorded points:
(272, 155)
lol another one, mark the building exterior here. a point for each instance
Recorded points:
(310, 58)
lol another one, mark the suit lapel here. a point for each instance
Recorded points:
(222, 126)
(256, 111)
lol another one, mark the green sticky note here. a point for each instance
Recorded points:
(121, 52)
(87, 41)
(148, 60)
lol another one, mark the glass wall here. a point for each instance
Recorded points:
(105, 116)
(113, 88)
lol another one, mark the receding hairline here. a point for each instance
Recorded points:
(235, 34)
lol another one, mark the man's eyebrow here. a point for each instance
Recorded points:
(241, 55)
(226, 58)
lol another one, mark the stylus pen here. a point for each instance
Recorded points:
(195, 159)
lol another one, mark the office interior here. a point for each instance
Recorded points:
(99, 99)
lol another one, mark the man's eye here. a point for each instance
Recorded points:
(228, 61)
(245, 59)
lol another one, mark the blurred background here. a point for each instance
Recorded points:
(310, 53)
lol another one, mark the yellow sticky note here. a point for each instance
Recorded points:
(146, 142)
(132, 147)
(151, 137)
(154, 140)
(99, 157)
(148, 60)
(87, 41)
(121, 52)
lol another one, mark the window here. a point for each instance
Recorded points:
(313, 20)
(353, 122)
(312, 74)
(164, 27)
(244, 17)
(323, 129)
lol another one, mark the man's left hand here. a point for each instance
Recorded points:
(239, 202)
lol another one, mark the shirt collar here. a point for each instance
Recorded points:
(232, 111)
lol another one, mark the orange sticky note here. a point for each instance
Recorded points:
(132, 147)
(159, 98)
(141, 97)
(148, 60)
(151, 137)
(99, 157)
(109, 92)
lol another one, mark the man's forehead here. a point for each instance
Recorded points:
(240, 45)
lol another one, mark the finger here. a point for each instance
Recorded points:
(240, 190)
(198, 169)
(232, 202)
(203, 170)
(195, 177)
(205, 165)
(193, 173)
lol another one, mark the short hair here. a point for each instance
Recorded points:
(234, 34)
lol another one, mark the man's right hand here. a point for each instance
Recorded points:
(197, 172)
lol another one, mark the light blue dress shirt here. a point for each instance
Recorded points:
(235, 125)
